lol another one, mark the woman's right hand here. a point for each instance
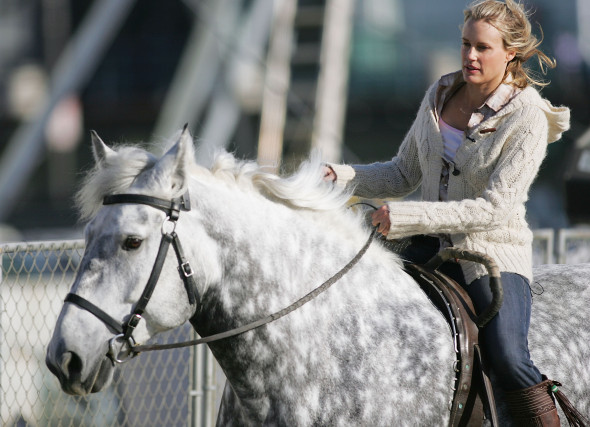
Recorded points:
(329, 174)
(381, 220)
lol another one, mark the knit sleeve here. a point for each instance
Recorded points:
(507, 187)
(396, 178)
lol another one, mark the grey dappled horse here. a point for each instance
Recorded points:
(371, 350)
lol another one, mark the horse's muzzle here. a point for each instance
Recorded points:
(68, 367)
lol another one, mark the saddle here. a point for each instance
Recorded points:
(472, 386)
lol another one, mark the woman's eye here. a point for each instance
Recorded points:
(132, 243)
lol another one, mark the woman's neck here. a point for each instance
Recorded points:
(476, 95)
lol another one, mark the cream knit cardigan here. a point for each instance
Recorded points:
(497, 162)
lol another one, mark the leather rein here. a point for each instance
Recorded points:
(124, 330)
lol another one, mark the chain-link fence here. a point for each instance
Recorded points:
(168, 388)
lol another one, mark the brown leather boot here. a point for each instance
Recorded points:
(533, 406)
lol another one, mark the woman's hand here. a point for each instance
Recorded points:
(381, 220)
(329, 174)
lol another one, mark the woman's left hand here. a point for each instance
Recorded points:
(381, 220)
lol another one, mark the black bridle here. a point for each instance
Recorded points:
(172, 209)
(125, 330)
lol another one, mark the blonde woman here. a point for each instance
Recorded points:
(475, 147)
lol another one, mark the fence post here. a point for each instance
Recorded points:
(195, 386)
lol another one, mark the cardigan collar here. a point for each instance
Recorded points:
(558, 118)
(450, 83)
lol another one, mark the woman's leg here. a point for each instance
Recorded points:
(505, 346)
(505, 338)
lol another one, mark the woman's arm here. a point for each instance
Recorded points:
(396, 178)
(507, 188)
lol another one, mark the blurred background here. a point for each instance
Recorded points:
(265, 79)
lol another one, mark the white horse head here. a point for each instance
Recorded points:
(121, 244)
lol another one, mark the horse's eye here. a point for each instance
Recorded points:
(132, 243)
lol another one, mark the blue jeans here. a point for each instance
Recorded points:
(504, 339)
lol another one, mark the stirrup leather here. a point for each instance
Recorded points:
(473, 389)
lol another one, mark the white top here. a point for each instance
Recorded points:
(452, 138)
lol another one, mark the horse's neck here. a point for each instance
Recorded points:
(271, 257)
(272, 269)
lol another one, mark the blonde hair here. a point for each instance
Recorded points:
(512, 21)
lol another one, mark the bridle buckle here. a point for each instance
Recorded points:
(186, 269)
(132, 323)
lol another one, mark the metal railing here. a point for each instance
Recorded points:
(573, 246)
(173, 388)
(543, 246)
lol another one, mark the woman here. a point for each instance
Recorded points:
(475, 147)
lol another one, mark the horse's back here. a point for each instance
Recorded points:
(559, 335)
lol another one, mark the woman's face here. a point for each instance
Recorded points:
(483, 54)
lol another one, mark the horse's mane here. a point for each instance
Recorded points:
(303, 189)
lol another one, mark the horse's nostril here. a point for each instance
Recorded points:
(71, 364)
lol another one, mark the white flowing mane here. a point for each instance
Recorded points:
(304, 189)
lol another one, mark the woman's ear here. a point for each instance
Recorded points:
(510, 55)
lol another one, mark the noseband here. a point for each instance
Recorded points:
(172, 209)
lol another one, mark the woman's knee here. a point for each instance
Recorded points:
(512, 366)
(506, 359)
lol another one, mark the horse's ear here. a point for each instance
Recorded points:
(173, 168)
(100, 149)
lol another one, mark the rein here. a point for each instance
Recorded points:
(125, 330)
(253, 325)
